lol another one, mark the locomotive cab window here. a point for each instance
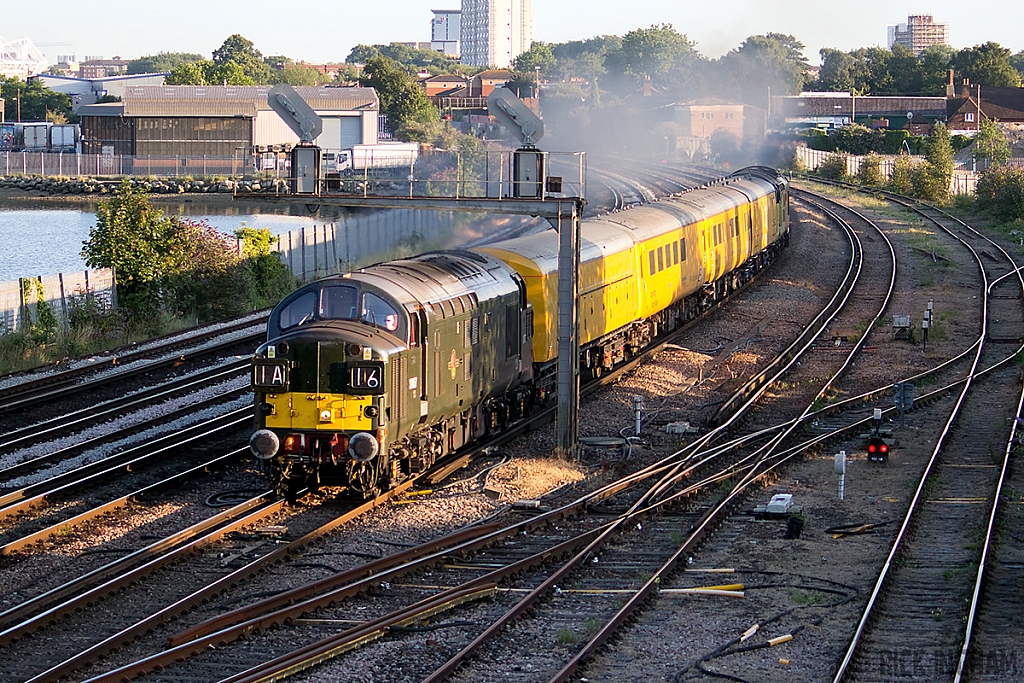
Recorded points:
(379, 313)
(339, 302)
(299, 311)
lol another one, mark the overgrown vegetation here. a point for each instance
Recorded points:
(171, 273)
(177, 267)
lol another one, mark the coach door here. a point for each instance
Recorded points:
(418, 336)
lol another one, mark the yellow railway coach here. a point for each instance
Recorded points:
(651, 268)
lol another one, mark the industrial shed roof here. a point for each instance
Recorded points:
(240, 100)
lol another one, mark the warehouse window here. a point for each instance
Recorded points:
(650, 257)
(682, 249)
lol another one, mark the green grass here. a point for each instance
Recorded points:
(566, 636)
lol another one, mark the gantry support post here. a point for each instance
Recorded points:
(568, 226)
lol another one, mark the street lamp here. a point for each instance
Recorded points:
(536, 91)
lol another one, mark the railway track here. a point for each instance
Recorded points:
(195, 639)
(917, 616)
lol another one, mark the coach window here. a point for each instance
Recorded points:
(379, 313)
(682, 249)
(675, 253)
(650, 257)
(661, 260)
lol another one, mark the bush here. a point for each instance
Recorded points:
(892, 141)
(1001, 192)
(870, 171)
(833, 167)
(901, 178)
(857, 139)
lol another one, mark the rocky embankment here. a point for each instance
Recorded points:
(87, 186)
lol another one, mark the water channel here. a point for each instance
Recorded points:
(42, 236)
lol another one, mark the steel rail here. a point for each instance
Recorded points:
(915, 501)
(106, 409)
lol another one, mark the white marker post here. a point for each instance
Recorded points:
(841, 471)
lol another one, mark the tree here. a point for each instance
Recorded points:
(409, 59)
(931, 179)
(1001, 192)
(987, 64)
(539, 55)
(900, 180)
(935, 62)
(842, 72)
(660, 52)
(242, 52)
(37, 102)
(401, 97)
(773, 61)
(297, 74)
(870, 171)
(137, 241)
(1017, 62)
(192, 73)
(905, 71)
(208, 73)
(990, 144)
(160, 62)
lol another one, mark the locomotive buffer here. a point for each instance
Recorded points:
(529, 184)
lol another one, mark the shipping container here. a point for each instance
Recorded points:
(64, 137)
(37, 136)
(10, 136)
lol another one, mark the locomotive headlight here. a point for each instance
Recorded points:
(264, 444)
(363, 447)
(325, 415)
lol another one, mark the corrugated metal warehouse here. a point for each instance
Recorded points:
(221, 121)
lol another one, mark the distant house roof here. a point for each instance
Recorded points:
(708, 102)
(495, 75)
(1004, 104)
(446, 78)
(842, 104)
(228, 100)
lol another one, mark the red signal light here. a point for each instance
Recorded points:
(878, 449)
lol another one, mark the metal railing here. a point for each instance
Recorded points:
(454, 174)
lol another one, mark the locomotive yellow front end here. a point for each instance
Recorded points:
(322, 402)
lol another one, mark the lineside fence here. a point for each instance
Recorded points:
(29, 301)
(357, 241)
(964, 180)
(72, 164)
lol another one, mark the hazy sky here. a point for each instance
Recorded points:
(323, 30)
